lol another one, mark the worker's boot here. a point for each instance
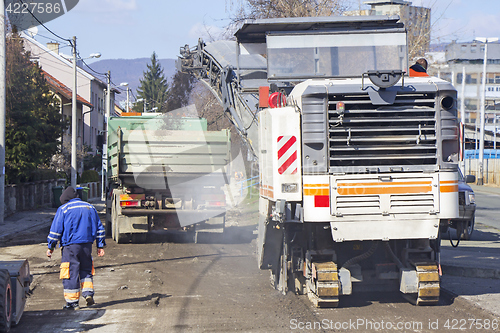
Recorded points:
(71, 306)
(90, 300)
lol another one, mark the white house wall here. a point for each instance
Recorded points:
(87, 85)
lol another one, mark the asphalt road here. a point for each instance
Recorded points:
(164, 286)
(488, 209)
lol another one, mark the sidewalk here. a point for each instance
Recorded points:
(27, 220)
(471, 271)
(475, 258)
(488, 189)
(35, 219)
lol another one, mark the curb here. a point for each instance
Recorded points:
(472, 272)
(486, 189)
(34, 226)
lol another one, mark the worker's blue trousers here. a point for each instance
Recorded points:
(77, 269)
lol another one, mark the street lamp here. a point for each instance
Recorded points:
(125, 84)
(484, 40)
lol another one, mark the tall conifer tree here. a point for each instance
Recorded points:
(153, 87)
(179, 92)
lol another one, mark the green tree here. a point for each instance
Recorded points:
(33, 122)
(179, 92)
(153, 87)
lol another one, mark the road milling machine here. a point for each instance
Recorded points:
(358, 161)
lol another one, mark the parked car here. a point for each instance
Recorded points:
(464, 225)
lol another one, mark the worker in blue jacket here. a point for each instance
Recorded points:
(76, 226)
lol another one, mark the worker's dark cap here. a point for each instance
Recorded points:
(68, 194)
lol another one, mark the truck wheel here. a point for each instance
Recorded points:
(5, 301)
(113, 218)
(109, 212)
(139, 238)
(119, 238)
(224, 223)
(108, 228)
(122, 238)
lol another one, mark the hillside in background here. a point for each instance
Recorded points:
(131, 71)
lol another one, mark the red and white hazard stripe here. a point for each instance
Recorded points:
(287, 155)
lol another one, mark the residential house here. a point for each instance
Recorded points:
(89, 87)
(117, 112)
(64, 94)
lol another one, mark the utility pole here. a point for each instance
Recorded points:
(74, 120)
(2, 110)
(104, 178)
(128, 105)
(480, 179)
(462, 114)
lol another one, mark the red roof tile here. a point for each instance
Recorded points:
(59, 87)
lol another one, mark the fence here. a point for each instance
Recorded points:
(94, 189)
(33, 195)
(491, 166)
(244, 184)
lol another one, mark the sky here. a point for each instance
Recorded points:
(131, 29)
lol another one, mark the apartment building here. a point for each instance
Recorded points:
(468, 58)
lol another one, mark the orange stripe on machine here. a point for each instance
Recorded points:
(371, 184)
(448, 186)
(411, 187)
(320, 192)
(267, 191)
(316, 189)
(383, 190)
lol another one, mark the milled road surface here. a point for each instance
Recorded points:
(215, 287)
(487, 209)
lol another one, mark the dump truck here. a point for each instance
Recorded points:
(165, 173)
(357, 160)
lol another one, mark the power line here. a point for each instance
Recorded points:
(48, 51)
(67, 40)
(104, 74)
(46, 37)
(133, 94)
(27, 8)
